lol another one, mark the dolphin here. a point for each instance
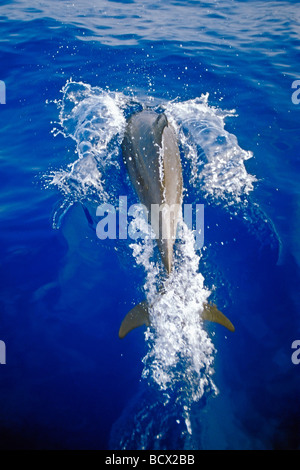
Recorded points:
(152, 158)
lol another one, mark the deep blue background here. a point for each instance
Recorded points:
(68, 378)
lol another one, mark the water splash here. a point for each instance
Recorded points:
(178, 365)
(180, 352)
(217, 161)
(94, 119)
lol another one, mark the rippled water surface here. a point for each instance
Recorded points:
(222, 72)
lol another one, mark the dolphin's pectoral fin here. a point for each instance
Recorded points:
(211, 313)
(137, 316)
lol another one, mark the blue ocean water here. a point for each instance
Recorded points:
(223, 73)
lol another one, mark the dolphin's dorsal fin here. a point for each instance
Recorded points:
(137, 316)
(211, 313)
(160, 123)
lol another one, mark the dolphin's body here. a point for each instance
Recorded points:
(152, 158)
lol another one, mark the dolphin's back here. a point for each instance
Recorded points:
(151, 155)
(142, 155)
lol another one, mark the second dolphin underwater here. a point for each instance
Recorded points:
(152, 158)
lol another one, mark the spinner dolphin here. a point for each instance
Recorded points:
(152, 158)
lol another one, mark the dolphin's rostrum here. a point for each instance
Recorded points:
(152, 158)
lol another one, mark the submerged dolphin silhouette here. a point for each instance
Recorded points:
(152, 158)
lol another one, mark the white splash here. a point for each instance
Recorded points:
(217, 161)
(94, 119)
(180, 352)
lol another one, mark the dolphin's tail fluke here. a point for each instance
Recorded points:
(139, 316)
(211, 313)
